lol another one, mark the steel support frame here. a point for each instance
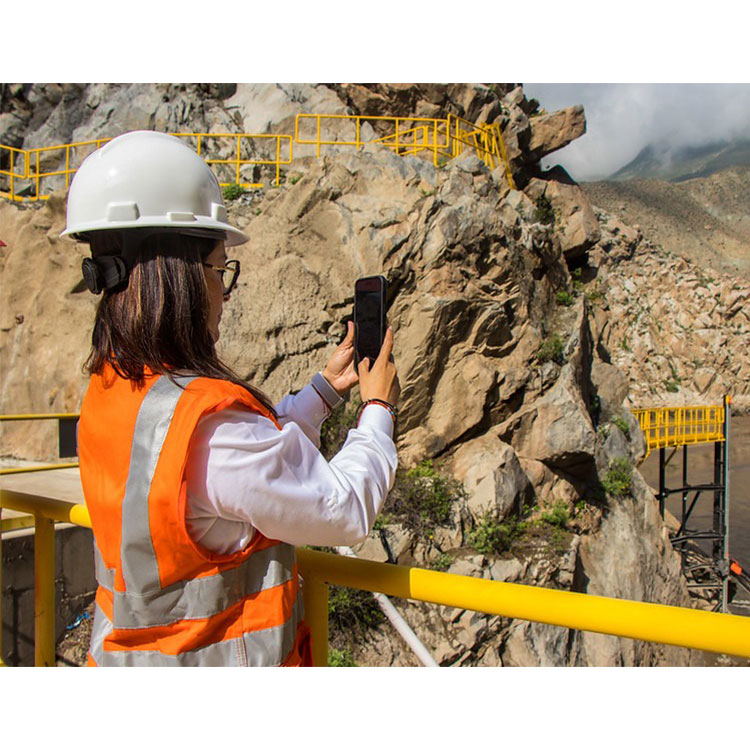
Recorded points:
(719, 531)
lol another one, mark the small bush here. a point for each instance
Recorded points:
(621, 423)
(232, 192)
(564, 299)
(595, 295)
(422, 499)
(340, 657)
(544, 213)
(351, 613)
(557, 516)
(671, 386)
(551, 350)
(617, 480)
(442, 563)
(493, 537)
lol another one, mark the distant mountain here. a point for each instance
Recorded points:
(704, 219)
(686, 163)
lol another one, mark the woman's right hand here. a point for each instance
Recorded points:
(381, 379)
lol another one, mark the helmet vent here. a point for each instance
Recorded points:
(126, 211)
(219, 213)
(180, 216)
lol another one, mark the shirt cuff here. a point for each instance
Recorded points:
(326, 391)
(378, 417)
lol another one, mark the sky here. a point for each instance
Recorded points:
(621, 119)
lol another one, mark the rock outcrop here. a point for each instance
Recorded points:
(506, 317)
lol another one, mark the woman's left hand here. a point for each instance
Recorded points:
(339, 371)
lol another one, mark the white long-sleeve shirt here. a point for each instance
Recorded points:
(244, 474)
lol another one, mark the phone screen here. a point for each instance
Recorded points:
(369, 316)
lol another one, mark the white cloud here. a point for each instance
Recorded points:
(624, 118)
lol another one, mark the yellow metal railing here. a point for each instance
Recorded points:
(677, 626)
(68, 157)
(44, 467)
(444, 137)
(433, 130)
(674, 426)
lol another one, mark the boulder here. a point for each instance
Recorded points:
(575, 223)
(556, 130)
(492, 476)
(557, 428)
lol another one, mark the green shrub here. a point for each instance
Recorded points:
(557, 516)
(564, 299)
(617, 480)
(551, 350)
(622, 424)
(422, 499)
(232, 192)
(671, 386)
(595, 295)
(351, 613)
(492, 536)
(340, 657)
(544, 213)
(442, 562)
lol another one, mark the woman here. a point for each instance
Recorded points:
(197, 486)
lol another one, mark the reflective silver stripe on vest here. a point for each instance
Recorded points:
(138, 559)
(105, 576)
(261, 648)
(203, 597)
(101, 628)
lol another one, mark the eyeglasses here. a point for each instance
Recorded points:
(232, 267)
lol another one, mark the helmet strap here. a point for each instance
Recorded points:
(104, 272)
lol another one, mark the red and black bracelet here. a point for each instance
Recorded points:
(390, 407)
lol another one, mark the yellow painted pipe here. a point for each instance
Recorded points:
(16, 417)
(315, 595)
(30, 469)
(44, 592)
(47, 507)
(677, 626)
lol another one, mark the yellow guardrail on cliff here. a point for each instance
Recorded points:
(674, 426)
(676, 626)
(25, 171)
(42, 164)
(447, 137)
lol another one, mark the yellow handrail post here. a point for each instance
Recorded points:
(2, 663)
(38, 169)
(278, 160)
(237, 164)
(44, 592)
(315, 596)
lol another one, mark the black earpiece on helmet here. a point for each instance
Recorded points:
(104, 272)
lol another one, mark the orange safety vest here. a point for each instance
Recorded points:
(162, 599)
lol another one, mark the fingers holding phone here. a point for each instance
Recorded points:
(380, 380)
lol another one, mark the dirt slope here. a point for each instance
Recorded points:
(706, 220)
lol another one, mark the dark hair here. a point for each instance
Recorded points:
(158, 318)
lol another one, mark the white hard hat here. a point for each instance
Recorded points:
(146, 179)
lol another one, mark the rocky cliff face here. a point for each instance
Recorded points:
(505, 304)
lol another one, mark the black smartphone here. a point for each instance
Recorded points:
(369, 317)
